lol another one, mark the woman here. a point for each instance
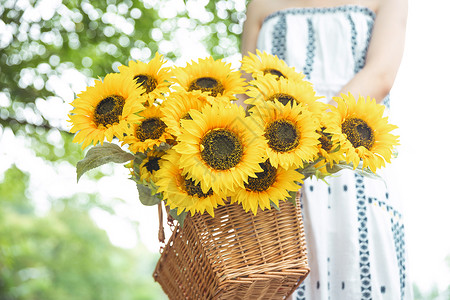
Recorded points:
(353, 226)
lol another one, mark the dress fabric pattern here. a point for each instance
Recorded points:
(353, 225)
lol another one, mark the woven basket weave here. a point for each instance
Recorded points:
(235, 255)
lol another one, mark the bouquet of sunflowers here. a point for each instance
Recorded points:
(190, 146)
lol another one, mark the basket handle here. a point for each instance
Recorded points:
(161, 235)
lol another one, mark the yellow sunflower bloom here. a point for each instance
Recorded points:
(151, 76)
(105, 109)
(150, 165)
(211, 78)
(290, 133)
(263, 63)
(366, 133)
(220, 147)
(177, 106)
(183, 193)
(151, 131)
(272, 184)
(329, 147)
(268, 88)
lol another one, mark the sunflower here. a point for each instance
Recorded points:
(105, 109)
(290, 133)
(286, 91)
(150, 165)
(366, 133)
(151, 76)
(329, 147)
(220, 147)
(264, 63)
(177, 106)
(212, 78)
(181, 192)
(149, 132)
(272, 184)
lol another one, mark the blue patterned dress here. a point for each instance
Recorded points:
(353, 225)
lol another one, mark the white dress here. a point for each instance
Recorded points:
(353, 226)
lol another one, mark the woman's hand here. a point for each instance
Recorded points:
(384, 54)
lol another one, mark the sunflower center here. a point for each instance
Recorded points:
(152, 164)
(282, 135)
(283, 98)
(148, 82)
(325, 140)
(207, 84)
(264, 180)
(193, 189)
(222, 149)
(151, 128)
(273, 72)
(358, 133)
(108, 111)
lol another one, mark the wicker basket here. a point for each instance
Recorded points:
(235, 255)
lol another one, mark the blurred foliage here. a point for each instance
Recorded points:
(44, 44)
(49, 51)
(433, 294)
(63, 254)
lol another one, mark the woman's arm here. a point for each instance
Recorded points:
(249, 37)
(251, 27)
(384, 53)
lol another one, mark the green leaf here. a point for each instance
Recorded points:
(163, 147)
(151, 185)
(138, 159)
(148, 196)
(273, 205)
(309, 170)
(364, 172)
(100, 155)
(291, 199)
(179, 217)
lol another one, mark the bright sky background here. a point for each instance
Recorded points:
(420, 107)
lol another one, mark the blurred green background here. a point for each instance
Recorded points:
(51, 245)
